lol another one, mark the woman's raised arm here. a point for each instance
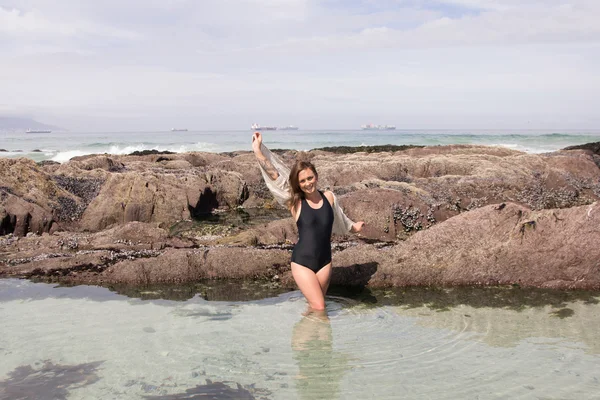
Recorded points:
(274, 172)
(262, 159)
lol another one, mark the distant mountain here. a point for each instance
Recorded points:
(18, 123)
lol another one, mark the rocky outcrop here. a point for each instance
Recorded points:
(92, 162)
(145, 197)
(494, 245)
(19, 217)
(500, 244)
(30, 201)
(445, 215)
(134, 253)
(593, 148)
(396, 193)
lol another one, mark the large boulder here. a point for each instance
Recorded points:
(499, 244)
(434, 184)
(30, 200)
(20, 217)
(147, 197)
(389, 213)
(91, 162)
(192, 265)
(593, 148)
(230, 187)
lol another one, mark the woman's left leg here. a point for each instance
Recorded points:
(309, 285)
(324, 277)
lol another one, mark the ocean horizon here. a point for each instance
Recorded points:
(61, 146)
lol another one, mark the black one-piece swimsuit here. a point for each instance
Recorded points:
(313, 249)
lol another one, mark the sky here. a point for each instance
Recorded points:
(224, 64)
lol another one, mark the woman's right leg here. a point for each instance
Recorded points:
(309, 285)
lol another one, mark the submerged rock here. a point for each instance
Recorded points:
(211, 390)
(48, 381)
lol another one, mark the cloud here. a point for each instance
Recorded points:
(34, 23)
(500, 26)
(306, 58)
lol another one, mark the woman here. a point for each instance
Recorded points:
(317, 215)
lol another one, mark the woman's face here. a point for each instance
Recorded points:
(307, 180)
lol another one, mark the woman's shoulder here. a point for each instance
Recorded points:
(329, 195)
(295, 204)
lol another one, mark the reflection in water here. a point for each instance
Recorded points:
(444, 299)
(320, 368)
(211, 290)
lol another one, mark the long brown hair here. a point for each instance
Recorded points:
(297, 193)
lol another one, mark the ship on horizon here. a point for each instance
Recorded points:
(289, 128)
(179, 130)
(372, 127)
(38, 131)
(257, 127)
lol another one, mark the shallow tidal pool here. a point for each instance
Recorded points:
(89, 342)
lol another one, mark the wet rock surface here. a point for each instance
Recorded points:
(443, 215)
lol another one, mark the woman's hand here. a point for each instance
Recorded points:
(358, 226)
(256, 142)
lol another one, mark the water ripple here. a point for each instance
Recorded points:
(442, 346)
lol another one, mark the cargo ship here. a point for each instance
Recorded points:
(289, 128)
(257, 127)
(37, 131)
(179, 130)
(371, 127)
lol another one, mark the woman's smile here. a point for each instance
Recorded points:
(307, 180)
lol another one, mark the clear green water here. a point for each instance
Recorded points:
(89, 342)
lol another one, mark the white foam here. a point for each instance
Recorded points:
(525, 149)
(203, 146)
(118, 150)
(12, 153)
(65, 156)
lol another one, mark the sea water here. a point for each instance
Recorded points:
(480, 343)
(61, 146)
